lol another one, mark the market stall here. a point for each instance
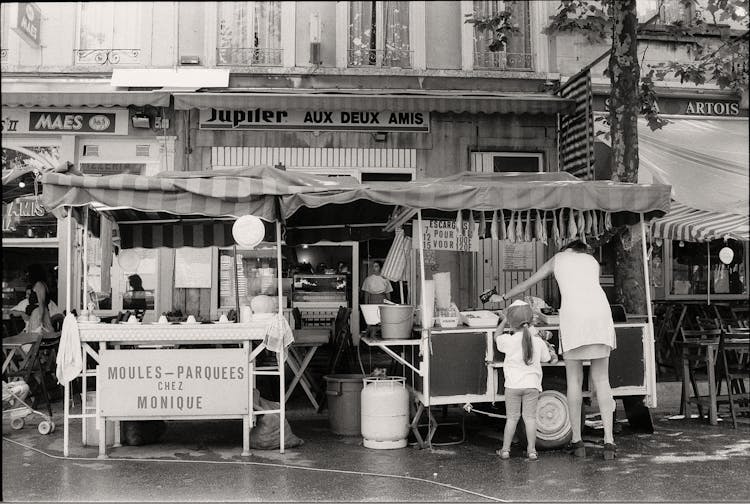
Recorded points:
(191, 209)
(458, 365)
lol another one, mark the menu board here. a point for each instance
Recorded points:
(444, 235)
(192, 268)
(518, 256)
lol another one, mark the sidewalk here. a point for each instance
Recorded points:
(684, 460)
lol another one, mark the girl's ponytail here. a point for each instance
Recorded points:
(527, 345)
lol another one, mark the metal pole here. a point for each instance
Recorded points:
(280, 358)
(649, 313)
(236, 285)
(421, 263)
(68, 296)
(708, 281)
(85, 293)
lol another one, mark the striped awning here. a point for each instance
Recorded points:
(402, 100)
(692, 225)
(84, 99)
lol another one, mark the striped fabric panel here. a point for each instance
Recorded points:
(692, 225)
(175, 235)
(576, 149)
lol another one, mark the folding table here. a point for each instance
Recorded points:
(309, 339)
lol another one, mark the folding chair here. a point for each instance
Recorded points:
(342, 346)
(699, 350)
(31, 367)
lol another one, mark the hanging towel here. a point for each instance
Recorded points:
(511, 233)
(527, 235)
(395, 266)
(482, 225)
(279, 334)
(69, 358)
(494, 232)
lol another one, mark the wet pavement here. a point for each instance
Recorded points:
(684, 460)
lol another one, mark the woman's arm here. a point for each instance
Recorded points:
(543, 272)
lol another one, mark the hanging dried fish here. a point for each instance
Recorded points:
(482, 225)
(459, 223)
(538, 226)
(544, 227)
(572, 229)
(511, 234)
(519, 228)
(595, 218)
(555, 230)
(493, 227)
(561, 224)
(527, 235)
(501, 226)
(471, 223)
(589, 221)
(580, 222)
(607, 220)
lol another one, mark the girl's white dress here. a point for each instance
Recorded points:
(586, 327)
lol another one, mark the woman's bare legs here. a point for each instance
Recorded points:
(574, 378)
(599, 374)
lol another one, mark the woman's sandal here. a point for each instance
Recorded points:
(504, 454)
(610, 451)
(532, 455)
(577, 449)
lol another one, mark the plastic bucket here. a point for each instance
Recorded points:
(396, 321)
(344, 403)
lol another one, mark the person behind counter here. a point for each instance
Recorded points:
(375, 287)
(524, 352)
(586, 333)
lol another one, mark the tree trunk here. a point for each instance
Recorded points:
(624, 74)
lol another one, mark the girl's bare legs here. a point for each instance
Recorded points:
(574, 378)
(509, 432)
(600, 378)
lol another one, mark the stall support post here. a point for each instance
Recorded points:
(247, 420)
(421, 263)
(708, 281)
(651, 364)
(85, 289)
(68, 295)
(280, 355)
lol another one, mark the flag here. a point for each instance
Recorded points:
(576, 145)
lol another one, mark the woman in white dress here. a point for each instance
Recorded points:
(586, 334)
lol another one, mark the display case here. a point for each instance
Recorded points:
(319, 291)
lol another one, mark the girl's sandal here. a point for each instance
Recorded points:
(504, 454)
(610, 451)
(532, 455)
(577, 449)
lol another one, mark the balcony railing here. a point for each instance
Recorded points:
(3, 55)
(258, 56)
(390, 58)
(500, 60)
(107, 56)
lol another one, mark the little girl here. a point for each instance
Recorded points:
(524, 352)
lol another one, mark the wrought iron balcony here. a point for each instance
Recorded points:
(107, 56)
(258, 56)
(501, 60)
(390, 58)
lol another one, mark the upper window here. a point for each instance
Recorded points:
(516, 52)
(670, 11)
(3, 32)
(249, 33)
(379, 34)
(109, 33)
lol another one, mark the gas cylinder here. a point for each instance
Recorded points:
(385, 413)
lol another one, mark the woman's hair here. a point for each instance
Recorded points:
(379, 263)
(33, 303)
(527, 345)
(136, 282)
(577, 246)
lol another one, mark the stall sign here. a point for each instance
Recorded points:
(318, 119)
(443, 235)
(173, 383)
(518, 256)
(27, 206)
(29, 23)
(65, 121)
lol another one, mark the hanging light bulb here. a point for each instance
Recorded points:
(22, 184)
(682, 243)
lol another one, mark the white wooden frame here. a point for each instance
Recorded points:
(417, 34)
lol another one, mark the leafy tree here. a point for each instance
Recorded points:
(632, 92)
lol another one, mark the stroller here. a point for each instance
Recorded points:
(16, 408)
